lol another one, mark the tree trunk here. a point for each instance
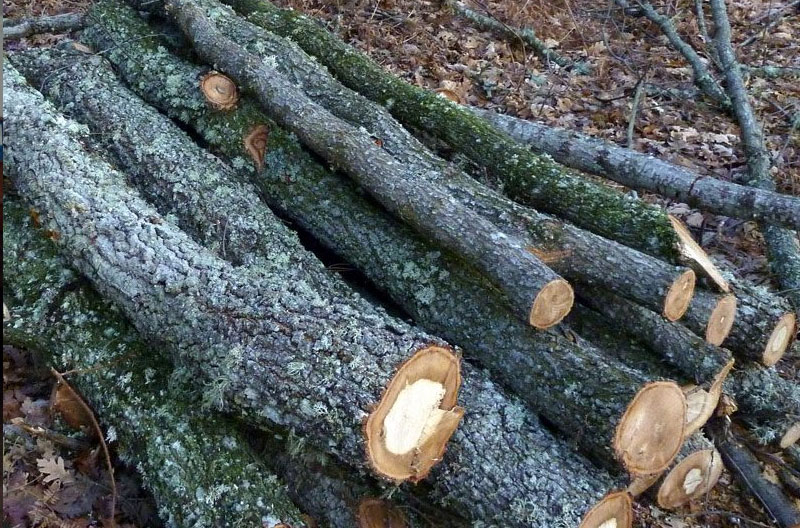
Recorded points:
(524, 176)
(57, 313)
(574, 386)
(642, 171)
(534, 292)
(269, 349)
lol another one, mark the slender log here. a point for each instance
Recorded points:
(571, 252)
(711, 316)
(770, 403)
(783, 246)
(525, 36)
(58, 314)
(553, 374)
(741, 462)
(238, 330)
(536, 180)
(535, 293)
(641, 171)
(17, 28)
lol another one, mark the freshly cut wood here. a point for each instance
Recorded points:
(379, 513)
(57, 314)
(573, 253)
(570, 383)
(770, 403)
(642, 171)
(269, 349)
(695, 256)
(694, 473)
(535, 180)
(534, 292)
(220, 91)
(613, 511)
(711, 316)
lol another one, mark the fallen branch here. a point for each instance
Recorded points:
(437, 289)
(641, 171)
(17, 28)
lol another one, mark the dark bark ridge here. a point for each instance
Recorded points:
(552, 373)
(571, 252)
(641, 171)
(536, 180)
(535, 293)
(59, 315)
(257, 341)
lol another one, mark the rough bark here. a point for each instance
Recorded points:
(744, 465)
(535, 293)
(549, 371)
(536, 180)
(17, 28)
(571, 252)
(256, 340)
(213, 476)
(767, 401)
(783, 246)
(641, 171)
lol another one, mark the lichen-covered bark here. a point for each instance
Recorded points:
(641, 171)
(272, 350)
(551, 373)
(536, 180)
(757, 313)
(427, 207)
(763, 396)
(197, 466)
(571, 252)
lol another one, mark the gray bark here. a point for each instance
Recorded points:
(427, 207)
(17, 28)
(524, 176)
(641, 171)
(255, 341)
(213, 477)
(554, 375)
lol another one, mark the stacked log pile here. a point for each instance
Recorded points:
(158, 176)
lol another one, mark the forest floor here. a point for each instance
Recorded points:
(429, 46)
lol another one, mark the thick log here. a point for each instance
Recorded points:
(694, 472)
(642, 171)
(553, 374)
(571, 252)
(614, 510)
(536, 180)
(534, 292)
(199, 469)
(256, 340)
(770, 403)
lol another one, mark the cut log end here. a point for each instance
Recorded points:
(782, 336)
(693, 477)
(379, 513)
(614, 511)
(640, 484)
(255, 143)
(790, 437)
(721, 320)
(651, 431)
(552, 304)
(700, 404)
(696, 257)
(219, 90)
(407, 432)
(679, 296)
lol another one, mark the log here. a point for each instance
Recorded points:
(552, 373)
(255, 339)
(694, 472)
(573, 253)
(60, 316)
(767, 401)
(641, 171)
(615, 510)
(18, 28)
(534, 292)
(745, 467)
(535, 180)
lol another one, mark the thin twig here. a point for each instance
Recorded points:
(103, 444)
(637, 98)
(776, 17)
